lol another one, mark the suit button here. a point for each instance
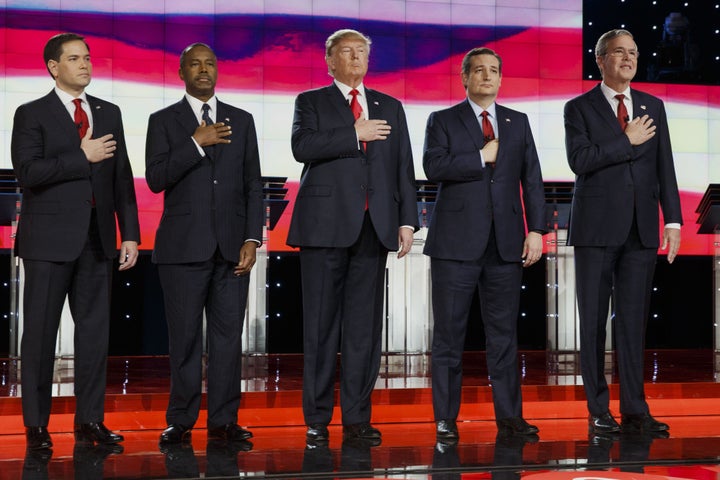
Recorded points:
(215, 182)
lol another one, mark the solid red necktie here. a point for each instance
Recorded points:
(81, 119)
(488, 133)
(355, 106)
(622, 113)
(356, 110)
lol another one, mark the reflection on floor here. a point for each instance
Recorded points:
(681, 386)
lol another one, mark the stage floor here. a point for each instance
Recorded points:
(681, 386)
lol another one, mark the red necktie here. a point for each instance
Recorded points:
(356, 110)
(488, 133)
(81, 119)
(622, 113)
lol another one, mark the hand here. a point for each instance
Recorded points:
(532, 249)
(97, 149)
(247, 258)
(370, 130)
(640, 130)
(671, 237)
(405, 239)
(489, 151)
(128, 255)
(207, 135)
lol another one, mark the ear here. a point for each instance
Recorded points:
(52, 66)
(180, 74)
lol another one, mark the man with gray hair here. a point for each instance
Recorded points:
(356, 202)
(618, 145)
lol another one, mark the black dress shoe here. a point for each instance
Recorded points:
(361, 430)
(317, 434)
(96, 433)
(446, 431)
(516, 426)
(230, 432)
(38, 438)
(642, 423)
(175, 433)
(604, 423)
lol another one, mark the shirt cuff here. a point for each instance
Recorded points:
(673, 225)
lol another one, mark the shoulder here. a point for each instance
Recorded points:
(99, 102)
(172, 109)
(645, 97)
(502, 111)
(234, 111)
(39, 103)
(380, 96)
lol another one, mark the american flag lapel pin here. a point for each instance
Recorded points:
(643, 107)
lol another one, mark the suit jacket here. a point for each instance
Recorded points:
(59, 183)
(472, 198)
(208, 202)
(612, 175)
(337, 177)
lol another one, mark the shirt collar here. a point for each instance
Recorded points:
(196, 105)
(67, 99)
(478, 109)
(345, 89)
(610, 93)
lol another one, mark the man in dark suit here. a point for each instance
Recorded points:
(618, 145)
(356, 201)
(203, 154)
(69, 155)
(481, 154)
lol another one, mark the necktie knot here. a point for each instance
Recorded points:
(206, 114)
(355, 106)
(80, 118)
(488, 132)
(622, 113)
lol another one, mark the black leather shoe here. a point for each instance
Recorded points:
(230, 432)
(446, 431)
(604, 423)
(38, 438)
(361, 430)
(642, 423)
(317, 434)
(96, 433)
(516, 426)
(175, 433)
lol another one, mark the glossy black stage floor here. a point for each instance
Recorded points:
(681, 386)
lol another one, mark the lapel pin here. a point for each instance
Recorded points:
(643, 107)
(227, 119)
(507, 120)
(376, 103)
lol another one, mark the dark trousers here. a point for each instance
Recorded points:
(454, 284)
(86, 282)
(189, 290)
(342, 306)
(624, 272)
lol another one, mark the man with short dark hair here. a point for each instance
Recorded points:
(69, 155)
(203, 155)
(481, 154)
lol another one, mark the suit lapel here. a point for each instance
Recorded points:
(58, 110)
(336, 98)
(467, 117)
(99, 121)
(601, 106)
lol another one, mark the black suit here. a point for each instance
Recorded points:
(343, 247)
(212, 205)
(475, 239)
(67, 239)
(614, 228)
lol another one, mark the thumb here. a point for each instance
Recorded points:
(88, 134)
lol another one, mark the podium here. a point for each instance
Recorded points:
(708, 211)
(408, 312)
(563, 322)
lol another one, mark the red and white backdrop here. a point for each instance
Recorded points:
(270, 50)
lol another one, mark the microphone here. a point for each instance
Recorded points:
(627, 119)
(79, 125)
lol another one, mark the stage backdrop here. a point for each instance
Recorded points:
(270, 50)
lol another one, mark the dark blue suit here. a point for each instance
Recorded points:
(212, 205)
(67, 245)
(614, 228)
(476, 240)
(343, 247)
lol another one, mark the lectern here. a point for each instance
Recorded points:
(708, 211)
